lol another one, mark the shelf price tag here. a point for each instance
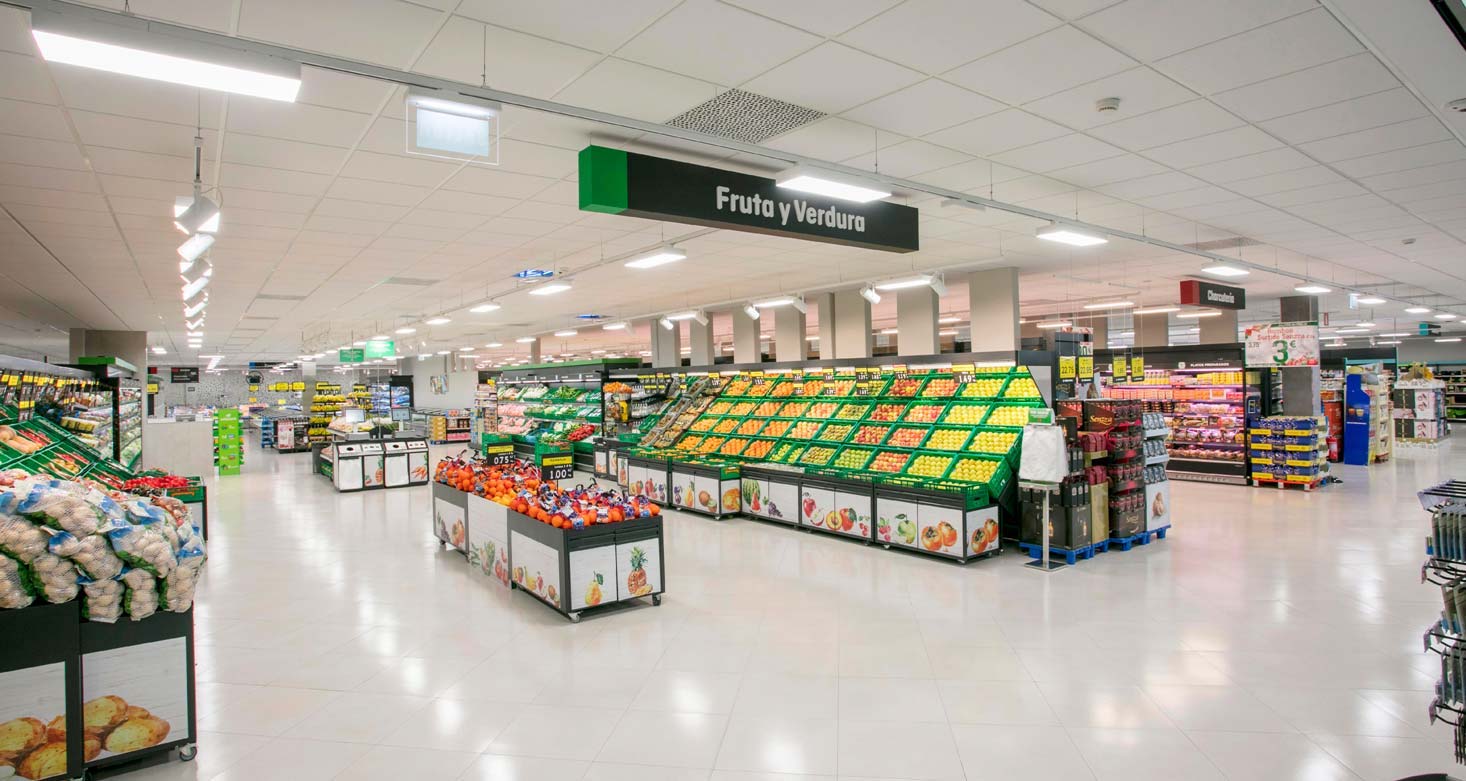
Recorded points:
(964, 372)
(499, 453)
(557, 467)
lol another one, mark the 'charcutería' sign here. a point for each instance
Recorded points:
(613, 181)
(1194, 292)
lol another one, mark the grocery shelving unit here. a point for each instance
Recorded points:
(556, 400)
(1445, 568)
(1454, 392)
(1288, 451)
(228, 441)
(446, 426)
(486, 406)
(325, 404)
(1419, 409)
(123, 409)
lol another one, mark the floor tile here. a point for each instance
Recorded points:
(556, 732)
(291, 759)
(393, 763)
(675, 739)
(898, 750)
(779, 744)
(995, 702)
(890, 699)
(1388, 759)
(360, 717)
(1002, 752)
(1118, 707)
(688, 692)
(1142, 755)
(453, 725)
(1216, 708)
(1256, 756)
(804, 696)
(495, 767)
(1334, 712)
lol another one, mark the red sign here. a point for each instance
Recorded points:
(1195, 292)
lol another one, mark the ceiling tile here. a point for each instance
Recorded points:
(924, 108)
(908, 158)
(1168, 125)
(41, 152)
(1152, 185)
(709, 40)
(1073, 9)
(1251, 166)
(1350, 77)
(1412, 132)
(569, 20)
(472, 203)
(1141, 91)
(381, 31)
(635, 90)
(516, 62)
(491, 181)
(37, 120)
(1381, 108)
(1211, 148)
(1052, 62)
(271, 179)
(1315, 194)
(1384, 183)
(1282, 47)
(279, 153)
(935, 36)
(391, 168)
(1403, 159)
(832, 138)
(50, 178)
(1063, 152)
(1115, 169)
(296, 122)
(832, 78)
(1151, 29)
(997, 133)
(28, 78)
(393, 193)
(1298, 178)
(821, 17)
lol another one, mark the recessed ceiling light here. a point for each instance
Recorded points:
(810, 179)
(889, 331)
(1224, 270)
(1371, 300)
(1110, 305)
(437, 321)
(1353, 330)
(1445, 316)
(1055, 324)
(948, 320)
(950, 332)
(1398, 333)
(550, 288)
(1365, 324)
(361, 343)
(444, 352)
(1072, 236)
(1393, 341)
(1312, 289)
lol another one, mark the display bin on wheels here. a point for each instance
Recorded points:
(837, 504)
(450, 517)
(610, 454)
(955, 522)
(647, 476)
(40, 678)
(770, 492)
(574, 570)
(709, 489)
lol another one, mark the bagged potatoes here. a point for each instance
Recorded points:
(91, 554)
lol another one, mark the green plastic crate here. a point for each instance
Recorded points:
(830, 433)
(963, 435)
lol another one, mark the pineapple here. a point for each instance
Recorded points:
(636, 581)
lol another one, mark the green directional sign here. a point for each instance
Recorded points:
(351, 356)
(380, 348)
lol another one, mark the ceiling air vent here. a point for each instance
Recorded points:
(744, 116)
(1218, 244)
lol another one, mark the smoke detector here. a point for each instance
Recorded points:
(1457, 105)
(1107, 104)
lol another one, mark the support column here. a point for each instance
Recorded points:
(745, 338)
(534, 351)
(1221, 329)
(700, 339)
(852, 326)
(824, 304)
(1153, 330)
(1302, 385)
(789, 333)
(916, 321)
(1100, 326)
(666, 345)
(130, 346)
(992, 297)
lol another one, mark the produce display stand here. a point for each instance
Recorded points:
(228, 441)
(355, 462)
(554, 398)
(121, 381)
(575, 570)
(40, 669)
(497, 448)
(610, 458)
(646, 475)
(705, 487)
(771, 492)
(556, 460)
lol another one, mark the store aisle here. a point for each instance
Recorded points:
(1273, 636)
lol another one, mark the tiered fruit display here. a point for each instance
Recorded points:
(750, 427)
(793, 409)
(840, 388)
(720, 408)
(906, 436)
(785, 452)
(689, 442)
(775, 428)
(993, 442)
(870, 434)
(767, 409)
(518, 487)
(1021, 388)
(704, 424)
(923, 413)
(852, 458)
(812, 388)
(852, 411)
(982, 388)
(781, 390)
(737, 388)
(947, 439)
(758, 448)
(974, 470)
(803, 429)
(711, 444)
(929, 466)
(725, 426)
(889, 461)
(742, 408)
(887, 412)
(817, 455)
(835, 432)
(1008, 416)
(733, 446)
(904, 387)
(939, 388)
(821, 409)
(966, 414)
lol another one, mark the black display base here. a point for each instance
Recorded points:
(561, 568)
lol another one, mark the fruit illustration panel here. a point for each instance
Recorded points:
(639, 568)
(488, 529)
(982, 531)
(755, 496)
(535, 567)
(593, 577)
(635, 480)
(817, 508)
(732, 493)
(135, 697)
(1157, 506)
(32, 701)
(940, 529)
(896, 522)
(684, 490)
(417, 467)
(371, 471)
(853, 514)
(449, 523)
(707, 491)
(654, 485)
(783, 502)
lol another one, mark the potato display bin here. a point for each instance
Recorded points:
(145, 671)
(705, 488)
(574, 570)
(40, 680)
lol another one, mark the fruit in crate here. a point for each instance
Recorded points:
(923, 413)
(993, 441)
(821, 409)
(939, 388)
(786, 452)
(851, 411)
(733, 446)
(965, 414)
(580, 432)
(835, 432)
(870, 434)
(928, 466)
(803, 429)
(852, 458)
(742, 408)
(816, 455)
(776, 428)
(720, 408)
(1021, 388)
(947, 439)
(906, 436)
(750, 427)
(812, 388)
(711, 444)
(767, 409)
(904, 386)
(782, 389)
(840, 388)
(1008, 416)
(703, 424)
(887, 412)
(736, 388)
(982, 388)
(725, 426)
(793, 409)
(974, 470)
(758, 448)
(888, 461)
(758, 389)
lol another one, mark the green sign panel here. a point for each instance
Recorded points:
(380, 348)
(351, 356)
(613, 181)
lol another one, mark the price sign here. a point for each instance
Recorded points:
(1086, 366)
(1066, 367)
(557, 467)
(1120, 369)
(499, 453)
(1282, 344)
(1137, 367)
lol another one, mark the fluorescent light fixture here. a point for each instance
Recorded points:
(437, 321)
(444, 352)
(751, 310)
(1364, 325)
(468, 349)
(902, 284)
(527, 339)
(948, 320)
(950, 332)
(597, 352)
(1398, 333)
(1055, 324)
(406, 330)
(190, 311)
(681, 316)
(1389, 341)
(452, 125)
(192, 290)
(1313, 289)
(660, 256)
(889, 331)
(1155, 310)
(551, 288)
(1352, 331)
(566, 332)
(1445, 316)
(774, 302)
(667, 324)
(135, 50)
(1371, 300)
(1449, 339)
(1195, 315)
(1418, 310)
(808, 179)
(869, 293)
(1110, 305)
(644, 353)
(1072, 236)
(1224, 270)
(378, 338)
(621, 326)
(195, 246)
(482, 308)
(361, 343)
(158, 350)
(492, 345)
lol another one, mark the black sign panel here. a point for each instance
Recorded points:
(184, 374)
(1195, 292)
(254, 378)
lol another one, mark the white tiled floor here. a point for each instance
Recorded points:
(1273, 636)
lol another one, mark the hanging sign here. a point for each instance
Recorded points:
(1137, 368)
(1086, 366)
(1119, 368)
(1066, 367)
(353, 355)
(613, 181)
(1195, 292)
(152, 387)
(183, 374)
(380, 348)
(1281, 344)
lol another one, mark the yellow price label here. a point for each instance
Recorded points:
(1066, 367)
(1118, 368)
(1137, 367)
(1086, 366)
(557, 460)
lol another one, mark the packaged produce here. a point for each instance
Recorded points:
(19, 538)
(54, 506)
(13, 591)
(177, 589)
(102, 600)
(90, 553)
(142, 546)
(140, 599)
(55, 576)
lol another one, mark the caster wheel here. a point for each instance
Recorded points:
(887, 547)
(574, 618)
(188, 752)
(656, 599)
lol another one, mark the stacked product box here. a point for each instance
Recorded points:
(228, 441)
(1419, 411)
(1071, 508)
(1286, 449)
(1120, 421)
(1157, 483)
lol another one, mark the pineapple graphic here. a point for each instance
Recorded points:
(636, 581)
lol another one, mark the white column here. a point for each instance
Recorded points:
(1153, 330)
(746, 347)
(1099, 323)
(852, 326)
(1221, 329)
(666, 345)
(789, 333)
(992, 297)
(534, 351)
(824, 304)
(916, 321)
(700, 339)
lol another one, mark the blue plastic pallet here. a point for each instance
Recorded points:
(1069, 556)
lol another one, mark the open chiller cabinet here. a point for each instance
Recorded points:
(705, 488)
(573, 570)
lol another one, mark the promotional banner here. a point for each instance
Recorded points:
(613, 181)
(1282, 344)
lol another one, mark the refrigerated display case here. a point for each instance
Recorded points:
(118, 427)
